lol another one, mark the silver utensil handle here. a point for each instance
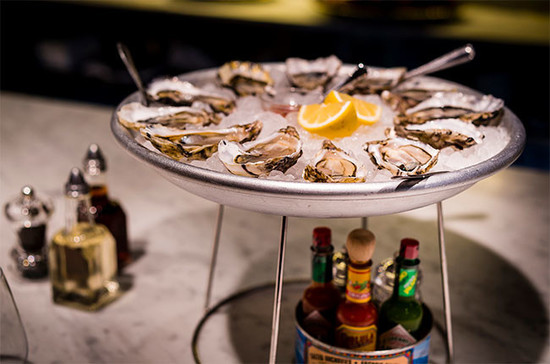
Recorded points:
(126, 57)
(458, 56)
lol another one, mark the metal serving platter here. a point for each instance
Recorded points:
(321, 200)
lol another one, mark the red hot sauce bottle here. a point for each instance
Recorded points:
(357, 316)
(321, 298)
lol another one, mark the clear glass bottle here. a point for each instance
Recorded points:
(321, 298)
(82, 254)
(29, 215)
(105, 210)
(401, 315)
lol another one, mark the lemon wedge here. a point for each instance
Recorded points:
(330, 120)
(367, 112)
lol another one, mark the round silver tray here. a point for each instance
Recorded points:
(321, 200)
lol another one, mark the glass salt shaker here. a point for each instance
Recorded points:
(29, 216)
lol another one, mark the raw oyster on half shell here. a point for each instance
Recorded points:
(136, 116)
(175, 92)
(197, 144)
(412, 92)
(277, 152)
(245, 78)
(310, 75)
(332, 164)
(402, 156)
(374, 81)
(441, 133)
(484, 110)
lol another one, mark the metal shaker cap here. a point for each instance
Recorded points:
(76, 185)
(94, 161)
(28, 209)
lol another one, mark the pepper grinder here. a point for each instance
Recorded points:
(29, 216)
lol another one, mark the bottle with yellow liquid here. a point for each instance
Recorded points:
(83, 261)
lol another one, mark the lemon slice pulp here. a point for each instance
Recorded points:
(330, 120)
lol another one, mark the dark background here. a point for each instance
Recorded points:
(68, 50)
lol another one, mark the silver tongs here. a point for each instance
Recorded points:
(454, 58)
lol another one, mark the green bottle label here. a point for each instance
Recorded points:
(407, 281)
(322, 270)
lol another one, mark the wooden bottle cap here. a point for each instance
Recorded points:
(360, 245)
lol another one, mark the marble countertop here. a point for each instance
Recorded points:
(497, 236)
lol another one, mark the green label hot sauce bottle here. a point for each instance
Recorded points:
(401, 314)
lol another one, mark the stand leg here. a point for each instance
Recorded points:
(278, 294)
(364, 223)
(213, 259)
(445, 282)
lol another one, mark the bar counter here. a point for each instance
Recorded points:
(497, 237)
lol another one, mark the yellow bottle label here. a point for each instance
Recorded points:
(358, 286)
(356, 338)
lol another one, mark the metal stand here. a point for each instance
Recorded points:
(279, 283)
(214, 258)
(445, 282)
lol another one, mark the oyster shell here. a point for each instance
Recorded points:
(136, 116)
(375, 80)
(197, 144)
(441, 133)
(402, 156)
(412, 92)
(175, 92)
(484, 110)
(279, 151)
(245, 78)
(309, 75)
(332, 164)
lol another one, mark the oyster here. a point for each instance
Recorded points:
(402, 156)
(442, 133)
(245, 78)
(332, 164)
(484, 110)
(312, 74)
(375, 80)
(136, 116)
(173, 91)
(412, 92)
(197, 144)
(279, 151)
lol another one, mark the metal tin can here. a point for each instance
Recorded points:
(312, 351)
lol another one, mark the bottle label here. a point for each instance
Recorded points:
(317, 326)
(397, 337)
(356, 338)
(358, 286)
(407, 281)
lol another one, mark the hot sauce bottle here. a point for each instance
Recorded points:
(321, 298)
(357, 316)
(401, 315)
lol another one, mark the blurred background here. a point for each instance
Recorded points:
(67, 49)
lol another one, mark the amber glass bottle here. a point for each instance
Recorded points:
(401, 315)
(321, 298)
(105, 210)
(357, 316)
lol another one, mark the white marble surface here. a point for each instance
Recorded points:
(497, 246)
